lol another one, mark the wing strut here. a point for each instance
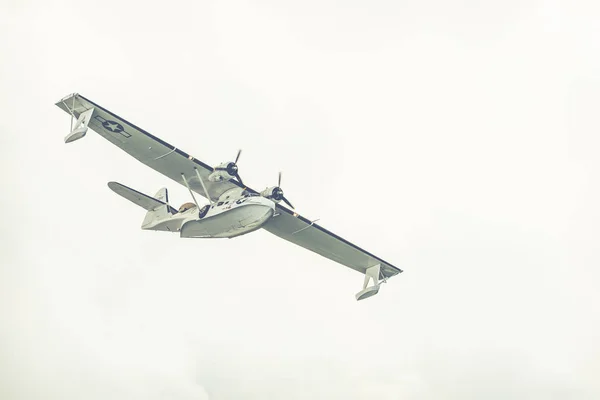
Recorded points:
(204, 187)
(190, 189)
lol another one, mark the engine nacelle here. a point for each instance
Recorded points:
(224, 172)
(274, 193)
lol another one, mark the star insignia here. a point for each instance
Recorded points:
(113, 126)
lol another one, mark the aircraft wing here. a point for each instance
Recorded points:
(147, 148)
(301, 231)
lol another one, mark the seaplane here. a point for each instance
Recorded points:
(233, 208)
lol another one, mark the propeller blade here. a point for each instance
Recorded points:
(279, 181)
(287, 202)
(238, 156)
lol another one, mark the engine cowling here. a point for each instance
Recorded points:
(274, 193)
(224, 172)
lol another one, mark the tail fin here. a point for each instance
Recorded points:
(162, 195)
(158, 206)
(159, 213)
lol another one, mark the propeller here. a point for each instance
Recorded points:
(232, 168)
(277, 193)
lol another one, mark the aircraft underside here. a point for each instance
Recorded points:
(232, 223)
(224, 219)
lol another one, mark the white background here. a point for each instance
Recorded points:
(458, 140)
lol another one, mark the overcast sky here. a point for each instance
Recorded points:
(458, 140)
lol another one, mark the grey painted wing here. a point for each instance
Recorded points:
(147, 148)
(299, 230)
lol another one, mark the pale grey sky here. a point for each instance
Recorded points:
(458, 140)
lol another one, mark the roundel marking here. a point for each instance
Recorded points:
(113, 126)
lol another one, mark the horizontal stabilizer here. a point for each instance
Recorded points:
(141, 199)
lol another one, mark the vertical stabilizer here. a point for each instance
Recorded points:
(158, 214)
(162, 195)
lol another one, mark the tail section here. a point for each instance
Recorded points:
(159, 212)
(162, 195)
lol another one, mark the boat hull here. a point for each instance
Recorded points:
(237, 221)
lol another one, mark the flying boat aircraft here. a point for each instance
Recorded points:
(234, 209)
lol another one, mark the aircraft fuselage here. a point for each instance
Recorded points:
(224, 219)
(230, 219)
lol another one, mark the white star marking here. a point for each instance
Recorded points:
(113, 127)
